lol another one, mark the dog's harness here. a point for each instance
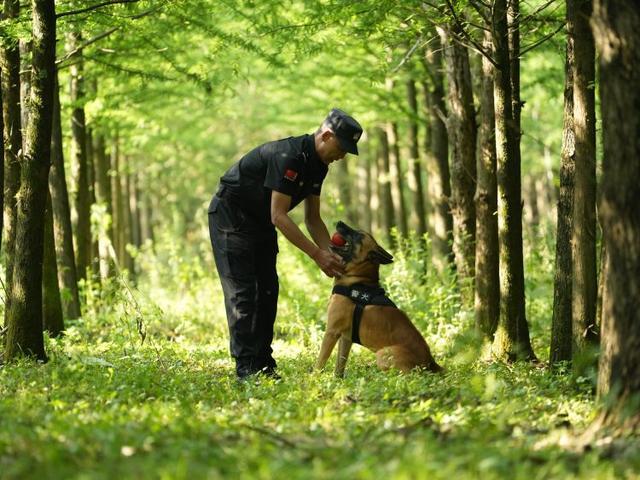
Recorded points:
(362, 295)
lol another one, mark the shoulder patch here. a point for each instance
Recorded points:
(290, 175)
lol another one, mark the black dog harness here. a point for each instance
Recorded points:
(362, 295)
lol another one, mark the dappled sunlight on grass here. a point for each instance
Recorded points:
(115, 403)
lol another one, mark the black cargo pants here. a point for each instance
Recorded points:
(246, 261)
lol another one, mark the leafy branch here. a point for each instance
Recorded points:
(94, 7)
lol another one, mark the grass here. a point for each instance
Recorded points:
(107, 405)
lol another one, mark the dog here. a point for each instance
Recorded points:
(352, 318)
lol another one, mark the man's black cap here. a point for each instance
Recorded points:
(346, 128)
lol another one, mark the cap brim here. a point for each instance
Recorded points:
(348, 145)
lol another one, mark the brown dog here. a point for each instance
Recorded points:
(381, 326)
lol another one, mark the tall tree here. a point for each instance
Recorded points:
(365, 192)
(116, 196)
(53, 321)
(103, 199)
(512, 340)
(79, 158)
(437, 155)
(63, 236)
(127, 233)
(12, 140)
(462, 131)
(561, 325)
(384, 185)
(1, 167)
(487, 280)
(415, 165)
(24, 335)
(345, 187)
(396, 178)
(585, 290)
(616, 27)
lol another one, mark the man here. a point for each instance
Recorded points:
(253, 199)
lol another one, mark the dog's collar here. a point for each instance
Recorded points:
(364, 294)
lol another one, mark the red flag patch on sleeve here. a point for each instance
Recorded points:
(290, 175)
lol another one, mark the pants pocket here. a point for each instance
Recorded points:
(226, 217)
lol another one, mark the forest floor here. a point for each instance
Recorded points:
(110, 405)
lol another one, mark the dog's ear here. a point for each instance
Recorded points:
(380, 255)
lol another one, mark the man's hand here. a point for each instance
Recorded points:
(330, 263)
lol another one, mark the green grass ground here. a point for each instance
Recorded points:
(108, 406)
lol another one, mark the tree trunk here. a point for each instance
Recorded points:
(513, 22)
(25, 87)
(103, 199)
(116, 195)
(365, 192)
(1, 164)
(12, 139)
(561, 330)
(617, 35)
(135, 210)
(462, 131)
(511, 341)
(24, 336)
(373, 175)
(345, 186)
(128, 221)
(52, 305)
(95, 248)
(487, 284)
(397, 179)
(67, 274)
(585, 289)
(415, 166)
(437, 155)
(384, 186)
(79, 161)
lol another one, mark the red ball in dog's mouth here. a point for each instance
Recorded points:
(338, 240)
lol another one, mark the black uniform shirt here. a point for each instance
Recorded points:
(290, 166)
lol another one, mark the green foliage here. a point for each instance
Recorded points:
(113, 403)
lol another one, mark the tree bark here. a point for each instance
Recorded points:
(437, 155)
(365, 192)
(52, 304)
(116, 195)
(487, 282)
(128, 221)
(561, 329)
(415, 165)
(345, 187)
(91, 168)
(462, 131)
(585, 289)
(66, 267)
(1, 164)
(511, 341)
(396, 179)
(373, 180)
(12, 140)
(384, 186)
(103, 200)
(24, 335)
(79, 160)
(25, 87)
(616, 27)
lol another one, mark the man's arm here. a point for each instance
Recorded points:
(328, 262)
(313, 221)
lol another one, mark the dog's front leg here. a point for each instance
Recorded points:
(328, 342)
(343, 354)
